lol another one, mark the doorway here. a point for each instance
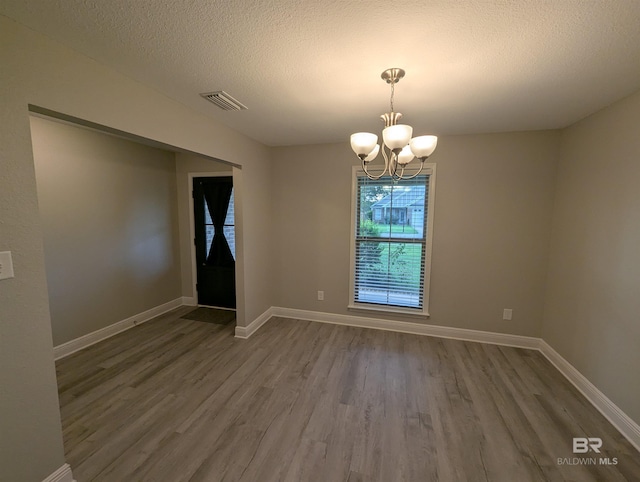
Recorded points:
(214, 230)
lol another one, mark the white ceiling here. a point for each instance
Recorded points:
(309, 71)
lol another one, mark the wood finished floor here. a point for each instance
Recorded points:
(179, 400)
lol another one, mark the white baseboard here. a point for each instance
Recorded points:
(89, 339)
(63, 474)
(620, 420)
(245, 332)
(189, 301)
(413, 328)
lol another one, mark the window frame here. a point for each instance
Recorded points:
(357, 172)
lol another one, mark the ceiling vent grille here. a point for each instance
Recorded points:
(224, 100)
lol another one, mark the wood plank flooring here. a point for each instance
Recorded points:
(179, 400)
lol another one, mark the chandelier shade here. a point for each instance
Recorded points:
(373, 154)
(423, 146)
(396, 137)
(363, 143)
(405, 156)
(398, 148)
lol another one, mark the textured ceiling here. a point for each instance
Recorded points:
(309, 71)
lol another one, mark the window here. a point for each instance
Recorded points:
(228, 229)
(391, 242)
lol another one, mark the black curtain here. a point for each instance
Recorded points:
(217, 195)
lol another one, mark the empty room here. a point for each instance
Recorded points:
(319, 241)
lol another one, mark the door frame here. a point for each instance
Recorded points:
(192, 228)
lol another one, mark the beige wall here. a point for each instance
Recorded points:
(493, 205)
(109, 215)
(592, 314)
(37, 71)
(190, 163)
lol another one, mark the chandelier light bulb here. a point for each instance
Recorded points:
(363, 143)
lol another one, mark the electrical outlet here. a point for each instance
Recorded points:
(6, 265)
(320, 295)
(507, 313)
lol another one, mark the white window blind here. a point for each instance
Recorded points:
(390, 253)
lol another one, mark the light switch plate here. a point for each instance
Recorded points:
(6, 265)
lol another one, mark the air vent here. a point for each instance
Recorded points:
(224, 100)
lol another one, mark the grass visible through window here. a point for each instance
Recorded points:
(395, 228)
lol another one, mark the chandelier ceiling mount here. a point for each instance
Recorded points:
(392, 76)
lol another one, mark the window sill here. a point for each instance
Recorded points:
(388, 309)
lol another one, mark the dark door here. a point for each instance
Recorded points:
(215, 241)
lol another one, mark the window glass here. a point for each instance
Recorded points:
(390, 255)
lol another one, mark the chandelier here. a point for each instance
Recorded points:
(398, 148)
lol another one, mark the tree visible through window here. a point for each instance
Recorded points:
(390, 253)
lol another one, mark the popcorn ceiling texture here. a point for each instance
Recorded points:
(309, 70)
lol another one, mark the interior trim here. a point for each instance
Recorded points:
(245, 332)
(63, 474)
(94, 337)
(618, 418)
(189, 301)
(413, 328)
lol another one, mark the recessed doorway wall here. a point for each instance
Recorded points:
(117, 241)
